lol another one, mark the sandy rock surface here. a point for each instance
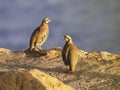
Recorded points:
(5, 51)
(94, 71)
(30, 80)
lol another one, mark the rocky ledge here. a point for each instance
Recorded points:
(44, 70)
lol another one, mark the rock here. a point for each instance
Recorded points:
(30, 80)
(50, 53)
(54, 52)
(19, 54)
(94, 56)
(5, 51)
(82, 54)
(107, 56)
(17, 71)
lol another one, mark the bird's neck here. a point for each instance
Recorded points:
(69, 42)
(45, 24)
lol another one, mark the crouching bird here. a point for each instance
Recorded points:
(39, 35)
(70, 53)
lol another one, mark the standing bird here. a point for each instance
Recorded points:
(39, 35)
(70, 53)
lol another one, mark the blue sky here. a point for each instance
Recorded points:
(93, 24)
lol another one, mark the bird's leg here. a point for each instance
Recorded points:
(67, 66)
(68, 70)
(30, 49)
(71, 69)
(39, 48)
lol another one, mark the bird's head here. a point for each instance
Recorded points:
(67, 38)
(46, 20)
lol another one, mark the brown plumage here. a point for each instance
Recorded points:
(40, 34)
(70, 53)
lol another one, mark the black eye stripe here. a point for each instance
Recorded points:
(66, 37)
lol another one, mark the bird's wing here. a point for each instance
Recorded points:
(65, 55)
(42, 34)
(33, 37)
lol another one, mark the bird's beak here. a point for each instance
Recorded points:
(50, 20)
(64, 37)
